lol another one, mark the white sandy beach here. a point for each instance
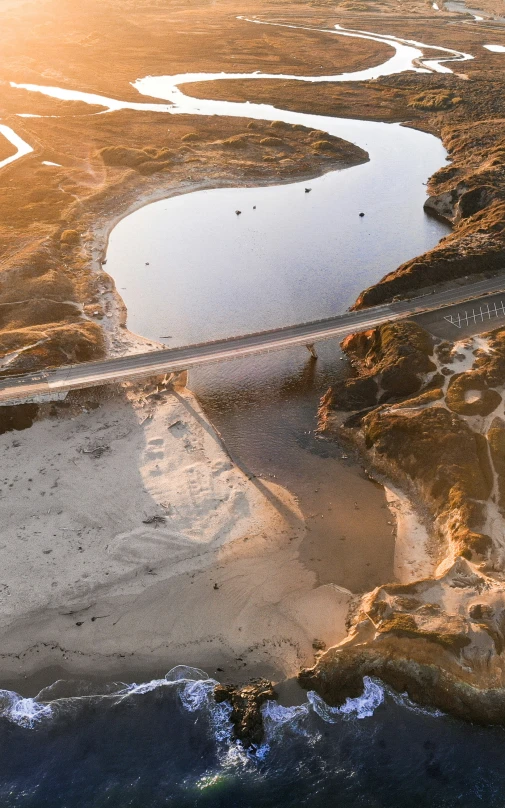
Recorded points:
(90, 585)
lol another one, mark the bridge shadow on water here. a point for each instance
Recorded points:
(265, 410)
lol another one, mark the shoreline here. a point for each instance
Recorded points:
(284, 665)
(228, 591)
(34, 668)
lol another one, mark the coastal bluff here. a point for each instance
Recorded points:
(428, 417)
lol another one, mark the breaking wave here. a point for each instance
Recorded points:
(24, 712)
(194, 688)
(195, 691)
(166, 742)
(363, 706)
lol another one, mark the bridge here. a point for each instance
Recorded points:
(53, 383)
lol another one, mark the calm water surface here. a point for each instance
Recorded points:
(191, 269)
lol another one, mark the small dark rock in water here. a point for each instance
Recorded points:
(246, 704)
(362, 214)
(238, 212)
(216, 586)
(308, 190)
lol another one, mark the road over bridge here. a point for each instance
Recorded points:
(52, 383)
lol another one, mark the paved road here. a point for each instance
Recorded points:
(465, 319)
(48, 383)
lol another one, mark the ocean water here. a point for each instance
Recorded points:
(166, 743)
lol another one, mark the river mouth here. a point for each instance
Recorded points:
(191, 269)
(216, 263)
(266, 413)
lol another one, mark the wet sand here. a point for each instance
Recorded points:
(266, 411)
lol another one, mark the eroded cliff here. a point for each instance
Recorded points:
(433, 423)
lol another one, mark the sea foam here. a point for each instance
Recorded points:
(363, 706)
(24, 712)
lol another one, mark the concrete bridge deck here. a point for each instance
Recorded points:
(53, 383)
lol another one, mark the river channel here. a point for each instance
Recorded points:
(189, 270)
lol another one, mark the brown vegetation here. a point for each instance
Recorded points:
(50, 214)
(470, 193)
(435, 100)
(395, 354)
(124, 155)
(468, 394)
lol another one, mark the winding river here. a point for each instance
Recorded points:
(290, 257)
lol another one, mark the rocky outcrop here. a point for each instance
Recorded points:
(443, 205)
(246, 702)
(440, 639)
(461, 202)
(406, 636)
(339, 674)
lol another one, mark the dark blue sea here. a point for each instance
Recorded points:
(166, 743)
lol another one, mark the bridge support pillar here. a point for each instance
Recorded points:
(311, 349)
